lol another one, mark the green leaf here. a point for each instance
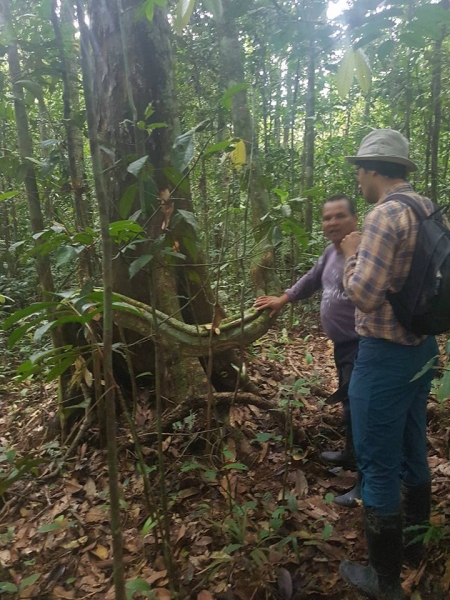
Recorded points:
(226, 99)
(42, 330)
(18, 334)
(189, 218)
(126, 202)
(218, 147)
(139, 264)
(177, 179)
(281, 194)
(295, 228)
(8, 195)
(277, 236)
(345, 73)
(125, 226)
(431, 364)
(149, 524)
(149, 9)
(49, 527)
(327, 531)
(136, 167)
(263, 437)
(59, 369)
(184, 12)
(443, 392)
(362, 70)
(231, 548)
(153, 126)
(6, 586)
(236, 466)
(183, 150)
(136, 585)
(65, 255)
(29, 581)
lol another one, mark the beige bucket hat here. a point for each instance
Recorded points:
(386, 145)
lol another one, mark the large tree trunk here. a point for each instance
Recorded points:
(73, 133)
(310, 128)
(436, 103)
(264, 275)
(25, 143)
(178, 291)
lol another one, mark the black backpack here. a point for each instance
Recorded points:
(423, 304)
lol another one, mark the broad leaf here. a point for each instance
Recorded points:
(177, 179)
(362, 70)
(345, 73)
(42, 330)
(431, 364)
(33, 309)
(139, 264)
(184, 12)
(239, 155)
(136, 167)
(126, 202)
(8, 195)
(183, 150)
(6, 586)
(228, 95)
(189, 218)
(65, 255)
(136, 585)
(60, 368)
(217, 147)
(443, 392)
(29, 581)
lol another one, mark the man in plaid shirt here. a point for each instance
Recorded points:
(388, 404)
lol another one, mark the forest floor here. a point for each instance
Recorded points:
(250, 509)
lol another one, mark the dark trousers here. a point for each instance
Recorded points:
(344, 357)
(388, 412)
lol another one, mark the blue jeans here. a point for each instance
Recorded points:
(388, 413)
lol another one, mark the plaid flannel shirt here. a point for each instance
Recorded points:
(381, 264)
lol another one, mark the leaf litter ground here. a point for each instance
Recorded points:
(251, 511)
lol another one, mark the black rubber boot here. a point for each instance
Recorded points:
(380, 579)
(343, 458)
(416, 514)
(351, 499)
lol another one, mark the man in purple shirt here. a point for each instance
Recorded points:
(337, 314)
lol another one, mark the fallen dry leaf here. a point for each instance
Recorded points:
(205, 595)
(101, 552)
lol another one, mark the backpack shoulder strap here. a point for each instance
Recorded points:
(415, 206)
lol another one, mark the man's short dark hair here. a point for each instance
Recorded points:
(351, 203)
(387, 169)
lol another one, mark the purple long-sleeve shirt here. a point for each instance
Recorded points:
(336, 310)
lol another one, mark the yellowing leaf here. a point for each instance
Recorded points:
(239, 155)
(101, 552)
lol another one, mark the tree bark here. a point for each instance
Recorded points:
(436, 103)
(109, 396)
(73, 135)
(263, 273)
(25, 144)
(183, 292)
(310, 128)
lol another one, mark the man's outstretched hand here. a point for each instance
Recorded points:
(276, 303)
